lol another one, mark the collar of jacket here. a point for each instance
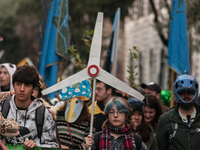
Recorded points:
(175, 117)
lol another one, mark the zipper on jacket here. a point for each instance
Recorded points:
(189, 141)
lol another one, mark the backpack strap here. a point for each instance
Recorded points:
(5, 108)
(39, 120)
(174, 126)
(138, 141)
(40, 115)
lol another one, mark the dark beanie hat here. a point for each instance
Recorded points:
(137, 104)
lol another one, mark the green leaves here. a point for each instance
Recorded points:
(75, 58)
(132, 66)
(87, 37)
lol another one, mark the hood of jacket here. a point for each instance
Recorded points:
(36, 102)
(11, 69)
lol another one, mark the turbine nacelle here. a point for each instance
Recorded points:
(93, 70)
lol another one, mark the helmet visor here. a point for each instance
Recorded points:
(189, 90)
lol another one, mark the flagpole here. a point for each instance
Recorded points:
(60, 70)
(172, 89)
(113, 72)
(92, 111)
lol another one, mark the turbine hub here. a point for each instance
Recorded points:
(93, 70)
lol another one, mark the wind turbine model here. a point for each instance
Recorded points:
(93, 70)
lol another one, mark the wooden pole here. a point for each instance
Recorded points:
(172, 89)
(92, 112)
(60, 70)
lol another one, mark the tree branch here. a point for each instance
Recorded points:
(168, 9)
(157, 23)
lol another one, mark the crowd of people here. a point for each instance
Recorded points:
(119, 122)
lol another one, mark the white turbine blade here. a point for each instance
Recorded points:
(78, 77)
(95, 49)
(111, 80)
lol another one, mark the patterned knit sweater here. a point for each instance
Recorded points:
(78, 132)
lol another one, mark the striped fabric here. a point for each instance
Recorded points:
(105, 137)
(78, 132)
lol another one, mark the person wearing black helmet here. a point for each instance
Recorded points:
(180, 127)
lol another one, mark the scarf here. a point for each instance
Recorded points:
(97, 110)
(105, 137)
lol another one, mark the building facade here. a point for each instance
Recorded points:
(139, 31)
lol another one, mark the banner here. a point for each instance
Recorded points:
(110, 64)
(178, 50)
(54, 47)
(25, 61)
(21, 147)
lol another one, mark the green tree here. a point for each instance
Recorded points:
(83, 16)
(8, 21)
(20, 28)
(20, 24)
(193, 15)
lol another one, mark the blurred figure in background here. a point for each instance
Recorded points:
(153, 110)
(154, 89)
(103, 93)
(6, 72)
(138, 124)
(42, 82)
(37, 93)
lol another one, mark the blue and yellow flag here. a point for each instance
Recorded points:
(178, 50)
(54, 47)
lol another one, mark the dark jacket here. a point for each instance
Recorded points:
(99, 116)
(164, 108)
(152, 143)
(185, 138)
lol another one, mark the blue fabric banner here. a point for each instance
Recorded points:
(178, 50)
(55, 42)
(113, 47)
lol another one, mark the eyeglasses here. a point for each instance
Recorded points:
(119, 113)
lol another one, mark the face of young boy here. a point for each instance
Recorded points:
(117, 118)
(23, 91)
